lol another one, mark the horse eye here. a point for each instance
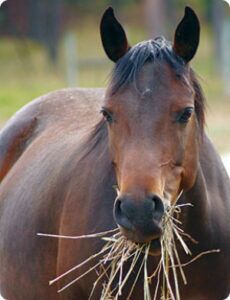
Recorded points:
(107, 115)
(184, 116)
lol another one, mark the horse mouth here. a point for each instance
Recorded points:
(138, 238)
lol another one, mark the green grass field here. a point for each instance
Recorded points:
(26, 74)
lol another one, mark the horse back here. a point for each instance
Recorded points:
(66, 108)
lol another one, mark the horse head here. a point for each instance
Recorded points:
(154, 117)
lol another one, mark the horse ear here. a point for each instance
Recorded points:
(187, 35)
(113, 36)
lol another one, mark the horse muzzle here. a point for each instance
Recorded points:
(139, 220)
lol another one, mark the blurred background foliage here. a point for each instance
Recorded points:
(52, 44)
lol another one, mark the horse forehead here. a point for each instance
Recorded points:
(157, 89)
(156, 81)
(160, 77)
(146, 101)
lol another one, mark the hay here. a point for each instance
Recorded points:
(117, 251)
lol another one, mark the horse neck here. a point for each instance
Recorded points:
(197, 217)
(90, 189)
(209, 196)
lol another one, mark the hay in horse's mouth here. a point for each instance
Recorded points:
(117, 251)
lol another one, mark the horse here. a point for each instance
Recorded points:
(60, 160)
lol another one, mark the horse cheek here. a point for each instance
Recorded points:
(190, 162)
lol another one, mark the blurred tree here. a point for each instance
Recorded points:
(47, 31)
(88, 5)
(38, 20)
(221, 24)
(217, 20)
(155, 16)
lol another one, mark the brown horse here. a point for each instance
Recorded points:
(59, 161)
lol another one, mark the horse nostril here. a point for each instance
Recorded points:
(158, 206)
(120, 216)
(117, 210)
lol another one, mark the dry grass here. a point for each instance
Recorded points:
(118, 250)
